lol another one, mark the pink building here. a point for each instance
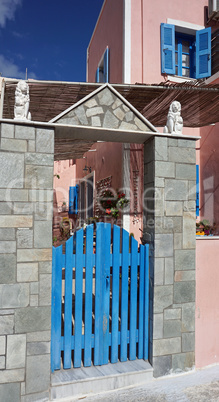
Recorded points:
(136, 41)
(152, 42)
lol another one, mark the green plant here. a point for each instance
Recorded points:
(204, 227)
(113, 203)
(64, 206)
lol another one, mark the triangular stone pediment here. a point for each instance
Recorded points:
(105, 108)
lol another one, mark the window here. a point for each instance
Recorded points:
(102, 73)
(185, 55)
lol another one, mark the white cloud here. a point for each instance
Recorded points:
(10, 70)
(7, 10)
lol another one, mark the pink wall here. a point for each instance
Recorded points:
(209, 177)
(105, 161)
(146, 35)
(108, 32)
(207, 309)
(137, 164)
(67, 172)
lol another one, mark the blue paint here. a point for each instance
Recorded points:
(68, 303)
(78, 297)
(146, 303)
(105, 263)
(124, 296)
(122, 277)
(98, 294)
(88, 296)
(133, 299)
(115, 294)
(141, 303)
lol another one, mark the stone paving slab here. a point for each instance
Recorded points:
(194, 386)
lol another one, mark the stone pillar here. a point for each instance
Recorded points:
(169, 226)
(26, 208)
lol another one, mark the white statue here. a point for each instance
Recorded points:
(22, 101)
(174, 119)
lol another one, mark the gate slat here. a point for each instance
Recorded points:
(115, 294)
(88, 295)
(98, 291)
(124, 296)
(57, 307)
(78, 297)
(133, 299)
(106, 293)
(141, 302)
(146, 302)
(53, 309)
(68, 302)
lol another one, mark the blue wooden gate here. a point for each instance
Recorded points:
(100, 298)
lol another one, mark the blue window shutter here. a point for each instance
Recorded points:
(71, 199)
(197, 190)
(97, 75)
(167, 48)
(106, 65)
(203, 53)
(76, 199)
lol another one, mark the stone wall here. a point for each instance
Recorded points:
(26, 208)
(170, 192)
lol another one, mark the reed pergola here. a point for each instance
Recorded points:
(200, 102)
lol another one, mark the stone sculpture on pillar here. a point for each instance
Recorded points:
(174, 123)
(22, 101)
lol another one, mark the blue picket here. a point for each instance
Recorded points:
(78, 298)
(53, 308)
(124, 296)
(88, 296)
(98, 294)
(133, 300)
(105, 294)
(115, 294)
(57, 291)
(68, 302)
(146, 303)
(141, 303)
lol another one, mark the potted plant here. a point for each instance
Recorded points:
(64, 206)
(113, 203)
(204, 228)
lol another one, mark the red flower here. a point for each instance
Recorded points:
(108, 211)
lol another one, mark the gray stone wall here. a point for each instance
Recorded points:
(105, 110)
(169, 225)
(26, 208)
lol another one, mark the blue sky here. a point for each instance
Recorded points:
(48, 37)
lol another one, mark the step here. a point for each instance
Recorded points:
(80, 382)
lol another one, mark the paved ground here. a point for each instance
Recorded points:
(194, 386)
